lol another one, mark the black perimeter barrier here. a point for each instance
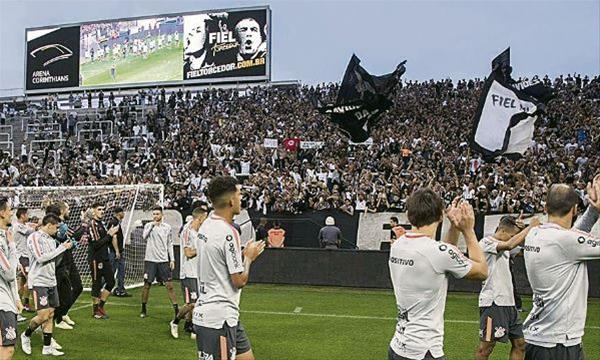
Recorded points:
(302, 230)
(366, 269)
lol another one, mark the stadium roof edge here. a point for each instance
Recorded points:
(128, 91)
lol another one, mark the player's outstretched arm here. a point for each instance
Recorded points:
(479, 269)
(453, 213)
(519, 238)
(592, 213)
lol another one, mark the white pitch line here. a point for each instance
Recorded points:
(342, 316)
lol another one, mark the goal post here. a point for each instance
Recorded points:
(136, 200)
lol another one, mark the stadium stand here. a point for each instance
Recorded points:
(182, 138)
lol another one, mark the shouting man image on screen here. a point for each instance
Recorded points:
(251, 40)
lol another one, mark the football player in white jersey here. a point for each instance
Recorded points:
(222, 273)
(555, 258)
(499, 318)
(189, 270)
(420, 267)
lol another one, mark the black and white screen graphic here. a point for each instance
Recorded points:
(200, 47)
(53, 58)
(225, 44)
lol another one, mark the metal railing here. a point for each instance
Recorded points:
(95, 125)
(51, 129)
(7, 129)
(8, 147)
(89, 131)
(42, 143)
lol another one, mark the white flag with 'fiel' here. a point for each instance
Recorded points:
(505, 118)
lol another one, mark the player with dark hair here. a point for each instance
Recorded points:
(420, 267)
(103, 279)
(499, 318)
(556, 258)
(222, 273)
(117, 256)
(189, 270)
(21, 231)
(42, 279)
(159, 261)
(10, 304)
(396, 230)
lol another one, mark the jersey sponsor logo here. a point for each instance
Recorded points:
(236, 262)
(403, 315)
(204, 356)
(43, 300)
(202, 237)
(581, 240)
(193, 295)
(535, 249)
(456, 256)
(229, 238)
(443, 247)
(593, 243)
(399, 261)
(534, 329)
(100, 266)
(10, 333)
(499, 332)
(538, 303)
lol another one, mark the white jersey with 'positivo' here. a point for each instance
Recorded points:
(498, 287)
(221, 255)
(555, 259)
(188, 267)
(419, 267)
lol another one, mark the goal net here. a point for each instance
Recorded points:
(136, 200)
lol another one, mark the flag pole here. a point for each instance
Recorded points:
(467, 160)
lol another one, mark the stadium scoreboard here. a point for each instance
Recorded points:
(214, 46)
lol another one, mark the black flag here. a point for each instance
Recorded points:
(502, 63)
(506, 114)
(361, 99)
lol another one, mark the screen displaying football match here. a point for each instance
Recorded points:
(212, 46)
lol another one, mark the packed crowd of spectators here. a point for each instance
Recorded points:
(185, 138)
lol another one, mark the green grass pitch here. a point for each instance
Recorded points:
(283, 322)
(165, 64)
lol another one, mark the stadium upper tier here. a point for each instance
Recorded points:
(182, 138)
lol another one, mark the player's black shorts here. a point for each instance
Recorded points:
(102, 276)
(559, 352)
(499, 323)
(393, 356)
(24, 261)
(222, 343)
(45, 297)
(8, 328)
(189, 286)
(159, 271)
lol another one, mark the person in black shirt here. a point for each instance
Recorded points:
(102, 272)
(117, 257)
(261, 230)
